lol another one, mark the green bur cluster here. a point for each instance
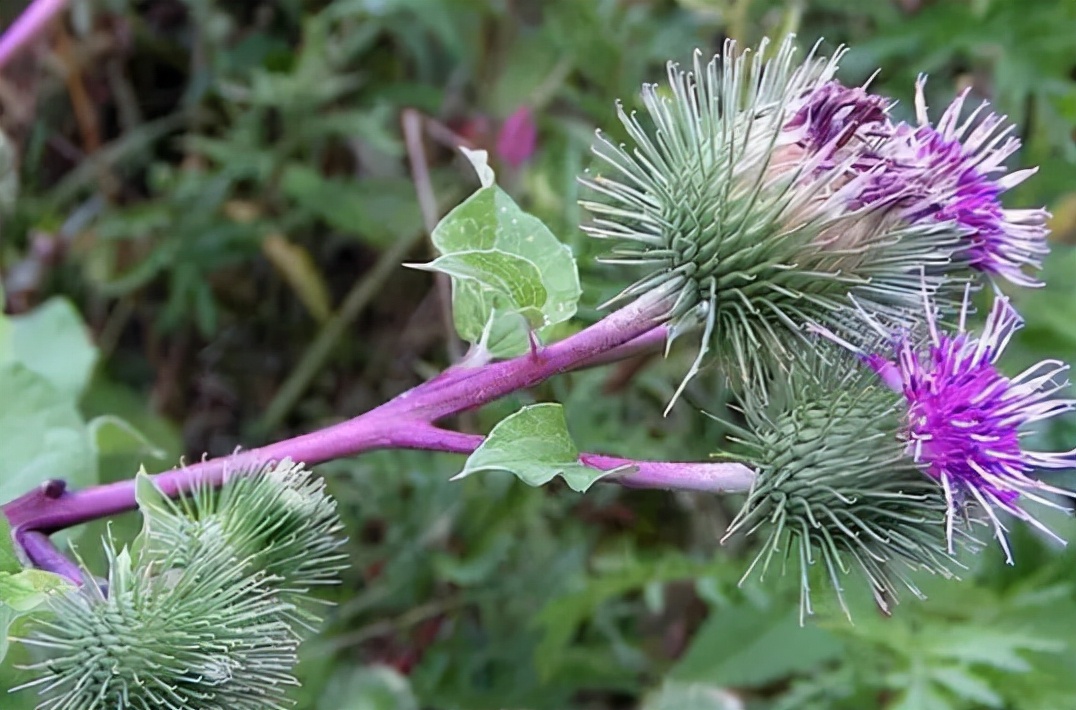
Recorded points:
(834, 484)
(206, 608)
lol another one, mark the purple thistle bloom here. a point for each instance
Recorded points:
(965, 418)
(954, 172)
(833, 115)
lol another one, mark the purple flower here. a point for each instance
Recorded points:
(954, 172)
(833, 115)
(517, 138)
(965, 419)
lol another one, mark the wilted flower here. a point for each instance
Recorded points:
(954, 172)
(965, 419)
(744, 191)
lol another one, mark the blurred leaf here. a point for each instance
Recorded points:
(691, 696)
(487, 239)
(9, 175)
(367, 688)
(44, 435)
(533, 444)
(52, 341)
(294, 263)
(746, 646)
(9, 559)
(112, 436)
(378, 211)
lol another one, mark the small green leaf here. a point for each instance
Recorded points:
(44, 435)
(504, 263)
(26, 590)
(533, 444)
(509, 283)
(52, 341)
(22, 593)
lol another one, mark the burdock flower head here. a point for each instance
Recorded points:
(744, 189)
(954, 173)
(835, 487)
(965, 420)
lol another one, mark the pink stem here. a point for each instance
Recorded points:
(28, 26)
(672, 475)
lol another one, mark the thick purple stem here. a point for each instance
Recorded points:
(28, 26)
(443, 397)
(39, 548)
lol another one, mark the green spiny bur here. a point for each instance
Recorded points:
(835, 485)
(206, 608)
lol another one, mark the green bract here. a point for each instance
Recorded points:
(759, 229)
(835, 486)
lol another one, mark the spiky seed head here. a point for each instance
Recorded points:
(173, 632)
(835, 486)
(206, 608)
(276, 516)
(742, 189)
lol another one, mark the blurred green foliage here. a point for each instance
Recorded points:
(223, 199)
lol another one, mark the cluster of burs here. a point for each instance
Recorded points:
(826, 256)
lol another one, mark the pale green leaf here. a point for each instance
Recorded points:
(44, 435)
(28, 589)
(533, 444)
(369, 688)
(505, 282)
(9, 558)
(22, 593)
(52, 341)
(504, 263)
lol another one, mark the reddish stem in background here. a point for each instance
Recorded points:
(28, 26)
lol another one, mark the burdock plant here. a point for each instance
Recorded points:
(821, 253)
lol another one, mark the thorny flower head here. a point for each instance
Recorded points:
(744, 189)
(206, 608)
(954, 173)
(966, 420)
(834, 485)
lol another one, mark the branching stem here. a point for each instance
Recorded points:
(406, 422)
